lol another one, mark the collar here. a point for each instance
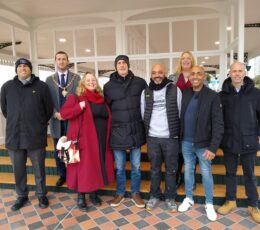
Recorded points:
(60, 73)
(26, 81)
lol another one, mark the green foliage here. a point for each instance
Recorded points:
(257, 81)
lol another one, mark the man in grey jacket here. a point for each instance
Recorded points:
(61, 84)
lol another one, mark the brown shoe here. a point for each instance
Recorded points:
(136, 198)
(118, 199)
(227, 207)
(255, 213)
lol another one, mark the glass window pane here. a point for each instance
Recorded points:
(45, 44)
(22, 49)
(208, 34)
(84, 67)
(135, 39)
(106, 41)
(7, 71)
(175, 62)
(84, 42)
(138, 67)
(159, 42)
(211, 66)
(64, 42)
(46, 70)
(182, 36)
(5, 40)
(105, 68)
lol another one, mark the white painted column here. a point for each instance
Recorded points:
(241, 30)
(222, 46)
(33, 52)
(232, 24)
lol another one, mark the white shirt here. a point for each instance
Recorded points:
(65, 77)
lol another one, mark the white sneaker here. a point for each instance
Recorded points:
(186, 204)
(211, 214)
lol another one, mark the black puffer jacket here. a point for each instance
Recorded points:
(123, 95)
(27, 109)
(241, 112)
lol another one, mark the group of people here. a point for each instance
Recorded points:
(177, 117)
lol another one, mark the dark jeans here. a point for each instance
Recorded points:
(61, 167)
(19, 158)
(248, 165)
(160, 149)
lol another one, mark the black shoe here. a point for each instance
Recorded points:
(19, 203)
(95, 198)
(81, 203)
(61, 181)
(43, 202)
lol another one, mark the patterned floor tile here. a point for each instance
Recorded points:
(64, 214)
(120, 222)
(161, 226)
(141, 224)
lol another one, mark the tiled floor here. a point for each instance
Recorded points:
(63, 214)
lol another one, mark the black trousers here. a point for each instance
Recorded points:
(159, 150)
(248, 166)
(19, 158)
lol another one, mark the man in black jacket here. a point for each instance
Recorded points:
(27, 106)
(241, 110)
(201, 134)
(122, 94)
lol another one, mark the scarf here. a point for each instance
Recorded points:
(154, 86)
(182, 84)
(94, 97)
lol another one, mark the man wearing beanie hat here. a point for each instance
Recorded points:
(122, 94)
(62, 84)
(27, 106)
(23, 61)
(124, 58)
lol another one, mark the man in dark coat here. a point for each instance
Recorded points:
(27, 106)
(122, 94)
(201, 133)
(241, 110)
(62, 84)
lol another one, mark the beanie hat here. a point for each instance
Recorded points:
(23, 61)
(122, 57)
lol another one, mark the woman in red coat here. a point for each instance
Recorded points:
(88, 112)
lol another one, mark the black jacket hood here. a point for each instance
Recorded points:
(227, 86)
(116, 77)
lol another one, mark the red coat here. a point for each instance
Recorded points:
(86, 176)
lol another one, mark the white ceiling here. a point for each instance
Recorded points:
(34, 12)
(32, 9)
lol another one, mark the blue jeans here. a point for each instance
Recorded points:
(120, 159)
(189, 154)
